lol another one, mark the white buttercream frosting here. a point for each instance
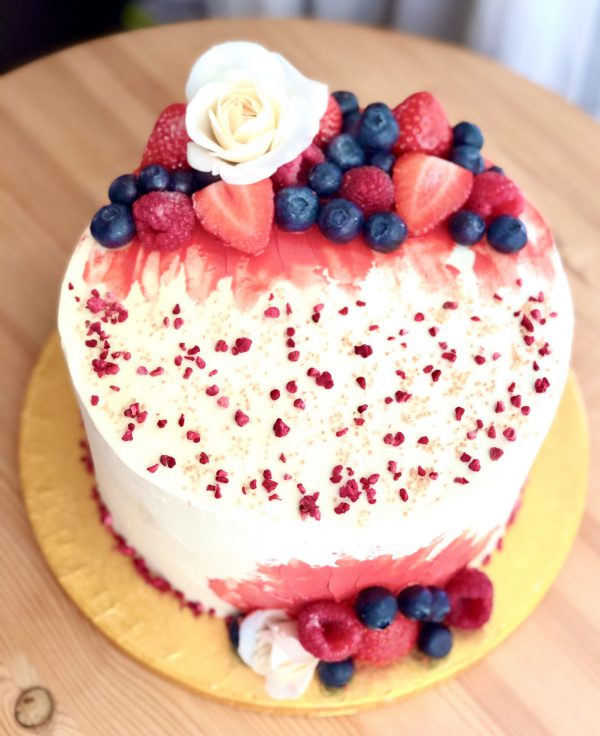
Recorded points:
(187, 534)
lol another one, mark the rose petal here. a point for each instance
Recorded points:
(252, 639)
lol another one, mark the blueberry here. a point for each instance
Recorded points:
(345, 152)
(350, 123)
(183, 181)
(113, 225)
(507, 234)
(383, 160)
(325, 178)
(335, 674)
(204, 178)
(385, 231)
(468, 157)
(296, 208)
(468, 134)
(415, 602)
(440, 604)
(435, 640)
(124, 189)
(340, 220)
(466, 228)
(376, 607)
(153, 178)
(347, 101)
(233, 630)
(378, 129)
(497, 169)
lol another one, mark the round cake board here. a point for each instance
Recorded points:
(195, 651)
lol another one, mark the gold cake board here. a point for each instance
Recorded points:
(195, 652)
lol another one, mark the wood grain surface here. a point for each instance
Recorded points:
(71, 122)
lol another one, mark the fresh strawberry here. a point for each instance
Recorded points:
(381, 647)
(168, 141)
(164, 220)
(424, 126)
(239, 215)
(495, 194)
(428, 189)
(369, 188)
(331, 123)
(296, 171)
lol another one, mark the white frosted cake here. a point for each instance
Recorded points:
(293, 392)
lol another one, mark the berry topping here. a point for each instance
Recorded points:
(164, 220)
(424, 126)
(384, 160)
(385, 231)
(428, 189)
(435, 640)
(124, 189)
(384, 646)
(296, 171)
(335, 674)
(507, 234)
(296, 208)
(497, 169)
(377, 129)
(340, 220)
(168, 141)
(345, 152)
(184, 182)
(329, 630)
(468, 157)
(471, 596)
(369, 188)
(239, 215)
(113, 226)
(495, 194)
(233, 630)
(325, 179)
(466, 228)
(376, 607)
(153, 178)
(440, 604)
(468, 134)
(416, 602)
(351, 122)
(347, 101)
(330, 124)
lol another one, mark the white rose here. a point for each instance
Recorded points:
(269, 645)
(249, 112)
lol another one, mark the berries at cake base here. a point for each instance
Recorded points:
(382, 647)
(329, 630)
(471, 596)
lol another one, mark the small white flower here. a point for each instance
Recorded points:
(249, 112)
(269, 645)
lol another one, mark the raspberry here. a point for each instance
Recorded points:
(164, 220)
(168, 141)
(494, 194)
(331, 123)
(369, 187)
(296, 171)
(329, 630)
(471, 595)
(384, 646)
(424, 127)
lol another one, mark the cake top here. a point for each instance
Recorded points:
(300, 308)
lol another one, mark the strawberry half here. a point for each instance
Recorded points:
(331, 123)
(424, 126)
(428, 189)
(168, 141)
(240, 216)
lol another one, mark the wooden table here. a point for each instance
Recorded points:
(71, 122)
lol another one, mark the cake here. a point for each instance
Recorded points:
(316, 349)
